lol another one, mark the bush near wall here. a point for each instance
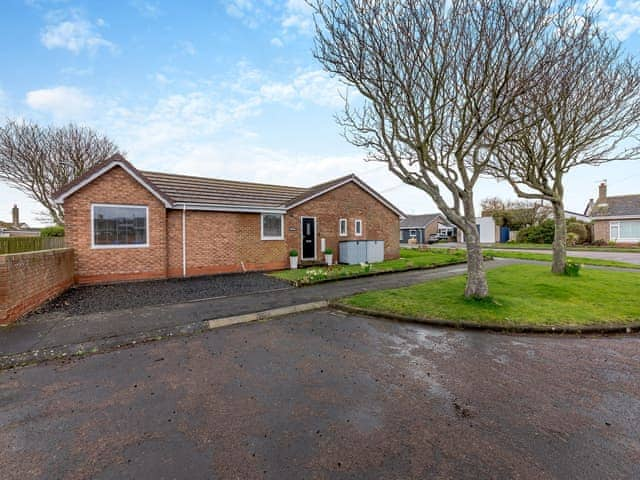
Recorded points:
(29, 244)
(55, 231)
(578, 232)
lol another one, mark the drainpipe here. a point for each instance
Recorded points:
(184, 240)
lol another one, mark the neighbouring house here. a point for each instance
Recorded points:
(15, 228)
(615, 219)
(126, 224)
(417, 228)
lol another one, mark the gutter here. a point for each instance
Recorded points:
(228, 208)
(184, 240)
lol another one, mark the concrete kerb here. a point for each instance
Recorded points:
(465, 324)
(114, 343)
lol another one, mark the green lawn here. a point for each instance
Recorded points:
(546, 246)
(547, 257)
(521, 295)
(410, 259)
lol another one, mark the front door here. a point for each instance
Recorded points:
(308, 238)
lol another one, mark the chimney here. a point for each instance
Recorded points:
(15, 213)
(602, 192)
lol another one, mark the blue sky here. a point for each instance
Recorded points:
(219, 88)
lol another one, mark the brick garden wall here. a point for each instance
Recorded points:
(29, 279)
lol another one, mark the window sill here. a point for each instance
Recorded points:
(109, 247)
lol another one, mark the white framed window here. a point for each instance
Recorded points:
(343, 227)
(358, 227)
(412, 233)
(271, 226)
(627, 230)
(614, 230)
(119, 226)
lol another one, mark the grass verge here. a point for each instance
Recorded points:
(409, 260)
(547, 258)
(520, 295)
(546, 246)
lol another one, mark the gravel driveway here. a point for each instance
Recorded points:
(322, 395)
(105, 298)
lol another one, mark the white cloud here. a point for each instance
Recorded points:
(162, 79)
(620, 17)
(248, 12)
(187, 48)
(298, 16)
(63, 103)
(276, 42)
(74, 34)
(315, 87)
(147, 9)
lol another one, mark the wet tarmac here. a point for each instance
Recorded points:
(324, 395)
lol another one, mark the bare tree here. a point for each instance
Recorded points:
(584, 110)
(515, 214)
(40, 160)
(434, 76)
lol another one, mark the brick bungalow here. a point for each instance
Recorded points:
(615, 219)
(418, 228)
(126, 224)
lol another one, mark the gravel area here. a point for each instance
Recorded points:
(105, 298)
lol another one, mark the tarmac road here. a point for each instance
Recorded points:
(325, 395)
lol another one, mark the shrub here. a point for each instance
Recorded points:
(599, 243)
(55, 231)
(579, 230)
(293, 252)
(572, 239)
(541, 233)
(572, 269)
(328, 251)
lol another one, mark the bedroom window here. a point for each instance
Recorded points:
(343, 227)
(119, 226)
(272, 227)
(358, 228)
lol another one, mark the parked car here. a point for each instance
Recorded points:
(433, 238)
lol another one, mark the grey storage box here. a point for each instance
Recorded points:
(353, 252)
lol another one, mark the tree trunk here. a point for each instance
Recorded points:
(477, 286)
(559, 238)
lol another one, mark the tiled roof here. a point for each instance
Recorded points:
(620, 206)
(211, 191)
(310, 192)
(420, 221)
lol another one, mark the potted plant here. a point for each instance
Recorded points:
(328, 256)
(293, 259)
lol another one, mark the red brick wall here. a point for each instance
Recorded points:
(29, 279)
(113, 264)
(220, 242)
(350, 202)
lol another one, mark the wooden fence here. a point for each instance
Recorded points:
(29, 244)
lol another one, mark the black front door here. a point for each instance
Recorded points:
(308, 238)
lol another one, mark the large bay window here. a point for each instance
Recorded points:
(625, 231)
(119, 226)
(272, 226)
